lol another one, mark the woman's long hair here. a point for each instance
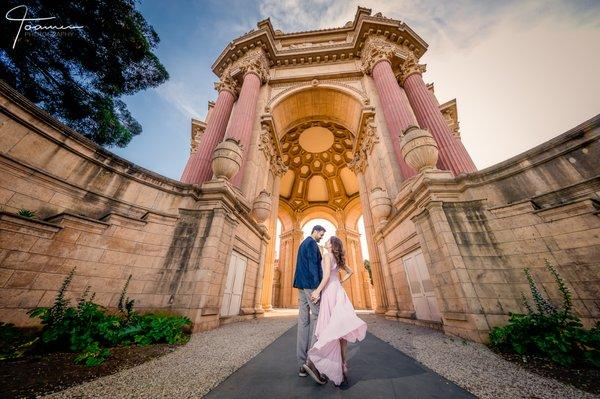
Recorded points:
(337, 249)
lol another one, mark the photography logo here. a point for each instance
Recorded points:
(11, 15)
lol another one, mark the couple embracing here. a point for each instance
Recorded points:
(326, 318)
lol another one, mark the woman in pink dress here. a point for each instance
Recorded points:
(337, 322)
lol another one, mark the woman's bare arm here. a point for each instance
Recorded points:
(326, 273)
(348, 273)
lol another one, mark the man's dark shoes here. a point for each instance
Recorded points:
(310, 368)
(302, 373)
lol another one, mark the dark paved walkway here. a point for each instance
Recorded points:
(376, 370)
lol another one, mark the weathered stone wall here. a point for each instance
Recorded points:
(479, 231)
(110, 219)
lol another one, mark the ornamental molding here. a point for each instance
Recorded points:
(338, 84)
(229, 84)
(410, 66)
(403, 60)
(365, 142)
(254, 61)
(377, 48)
(198, 128)
(358, 164)
(269, 146)
(323, 46)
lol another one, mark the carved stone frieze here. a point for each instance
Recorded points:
(268, 147)
(197, 131)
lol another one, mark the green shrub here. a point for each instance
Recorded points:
(89, 330)
(549, 332)
(27, 213)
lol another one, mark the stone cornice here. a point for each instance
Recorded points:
(345, 43)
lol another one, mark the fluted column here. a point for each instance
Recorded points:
(255, 68)
(452, 153)
(198, 168)
(396, 109)
(240, 127)
(376, 56)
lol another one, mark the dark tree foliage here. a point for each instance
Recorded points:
(78, 75)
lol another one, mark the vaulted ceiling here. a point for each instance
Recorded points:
(316, 153)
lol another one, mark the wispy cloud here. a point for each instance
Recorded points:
(179, 95)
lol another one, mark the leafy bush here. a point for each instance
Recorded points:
(548, 331)
(90, 330)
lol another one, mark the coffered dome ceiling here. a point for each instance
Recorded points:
(316, 153)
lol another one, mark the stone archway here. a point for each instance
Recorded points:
(317, 130)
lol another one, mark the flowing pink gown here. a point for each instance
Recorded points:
(337, 319)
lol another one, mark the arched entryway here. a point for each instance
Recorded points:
(317, 130)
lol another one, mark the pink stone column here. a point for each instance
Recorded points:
(198, 168)
(242, 119)
(396, 109)
(452, 153)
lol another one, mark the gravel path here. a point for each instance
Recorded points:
(210, 357)
(192, 370)
(470, 365)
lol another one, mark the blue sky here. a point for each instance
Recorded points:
(522, 71)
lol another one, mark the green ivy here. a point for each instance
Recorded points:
(549, 332)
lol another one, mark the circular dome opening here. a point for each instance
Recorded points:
(316, 139)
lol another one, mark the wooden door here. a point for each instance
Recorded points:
(421, 287)
(234, 285)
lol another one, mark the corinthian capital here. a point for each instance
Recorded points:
(377, 48)
(410, 67)
(254, 61)
(227, 83)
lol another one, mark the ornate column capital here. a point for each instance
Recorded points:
(376, 48)
(410, 67)
(254, 61)
(229, 84)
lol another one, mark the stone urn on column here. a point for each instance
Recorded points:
(419, 149)
(261, 207)
(381, 206)
(227, 158)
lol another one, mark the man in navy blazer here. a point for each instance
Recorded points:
(307, 277)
